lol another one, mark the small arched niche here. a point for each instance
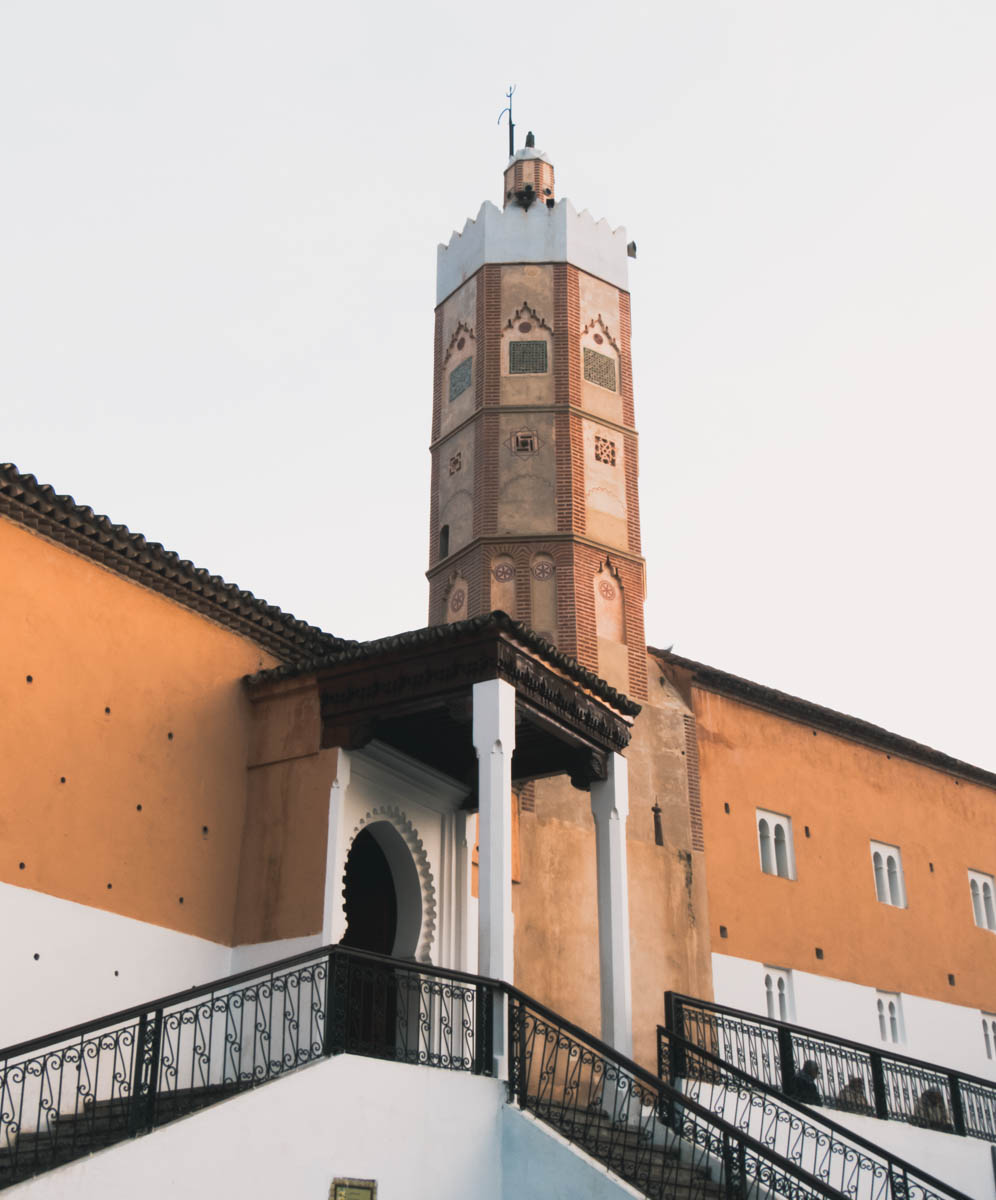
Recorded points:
(503, 584)
(456, 604)
(543, 595)
(382, 893)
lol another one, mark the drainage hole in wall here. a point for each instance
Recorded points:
(931, 865)
(37, 957)
(204, 830)
(138, 808)
(819, 951)
(951, 980)
(806, 827)
(62, 779)
(722, 931)
(170, 735)
(20, 866)
(726, 808)
(115, 974)
(109, 887)
(181, 899)
(106, 709)
(30, 679)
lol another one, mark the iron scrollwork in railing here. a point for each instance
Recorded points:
(853, 1077)
(839, 1157)
(95, 1084)
(660, 1141)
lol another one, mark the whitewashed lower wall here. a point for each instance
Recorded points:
(89, 963)
(948, 1034)
(420, 1133)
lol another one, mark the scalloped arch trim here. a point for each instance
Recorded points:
(394, 816)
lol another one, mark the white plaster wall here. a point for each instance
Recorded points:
(420, 1133)
(261, 954)
(537, 1162)
(539, 234)
(963, 1163)
(90, 963)
(947, 1034)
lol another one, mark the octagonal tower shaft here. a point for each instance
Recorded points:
(534, 506)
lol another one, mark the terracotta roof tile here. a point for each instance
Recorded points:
(38, 506)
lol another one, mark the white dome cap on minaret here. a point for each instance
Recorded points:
(529, 177)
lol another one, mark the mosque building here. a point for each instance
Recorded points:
(198, 784)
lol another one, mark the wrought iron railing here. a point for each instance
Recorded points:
(664, 1143)
(852, 1077)
(66, 1094)
(839, 1157)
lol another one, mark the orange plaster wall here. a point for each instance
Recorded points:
(92, 640)
(848, 794)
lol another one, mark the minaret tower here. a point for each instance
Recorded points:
(534, 449)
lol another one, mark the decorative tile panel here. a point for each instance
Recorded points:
(605, 450)
(460, 378)
(599, 369)
(527, 358)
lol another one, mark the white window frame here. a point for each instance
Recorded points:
(779, 994)
(989, 1033)
(889, 1011)
(982, 891)
(888, 876)
(768, 843)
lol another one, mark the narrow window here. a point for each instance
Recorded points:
(769, 996)
(781, 853)
(977, 903)
(987, 905)
(782, 1003)
(444, 541)
(764, 836)
(880, 888)
(893, 873)
(881, 1020)
(893, 1023)
(986, 1022)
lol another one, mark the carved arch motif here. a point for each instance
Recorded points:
(598, 329)
(394, 816)
(526, 312)
(462, 331)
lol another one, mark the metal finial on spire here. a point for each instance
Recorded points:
(511, 127)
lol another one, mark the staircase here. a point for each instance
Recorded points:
(66, 1095)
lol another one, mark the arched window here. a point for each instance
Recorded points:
(767, 860)
(781, 852)
(982, 889)
(774, 840)
(769, 996)
(889, 1007)
(782, 1001)
(895, 895)
(887, 864)
(778, 994)
(881, 891)
(987, 1033)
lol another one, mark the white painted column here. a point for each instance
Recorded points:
(610, 808)
(494, 741)
(333, 911)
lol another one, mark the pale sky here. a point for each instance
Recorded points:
(218, 230)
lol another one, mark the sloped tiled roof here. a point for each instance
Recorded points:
(711, 679)
(439, 635)
(39, 507)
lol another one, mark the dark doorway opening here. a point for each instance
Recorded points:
(371, 901)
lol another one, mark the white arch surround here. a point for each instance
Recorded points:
(393, 816)
(429, 828)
